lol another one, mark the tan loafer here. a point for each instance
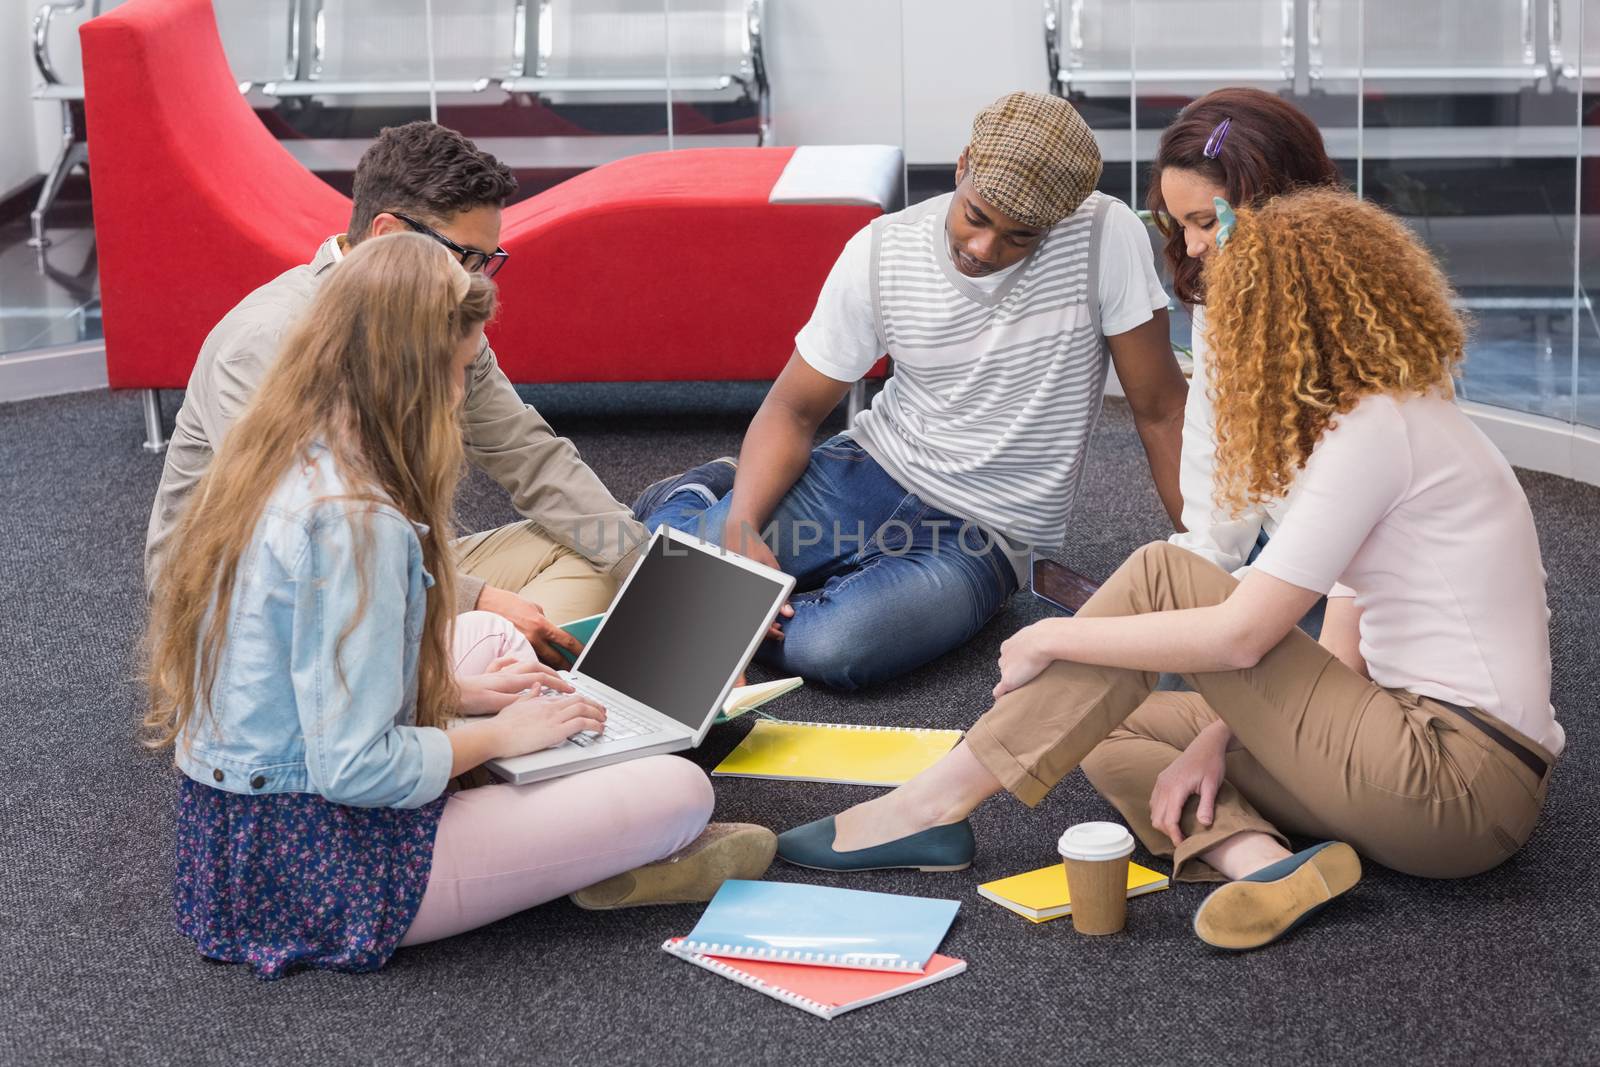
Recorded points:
(1262, 907)
(691, 875)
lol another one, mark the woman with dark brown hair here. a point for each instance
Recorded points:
(1243, 146)
(1421, 736)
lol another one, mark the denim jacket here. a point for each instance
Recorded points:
(286, 715)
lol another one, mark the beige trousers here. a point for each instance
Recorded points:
(523, 559)
(1326, 753)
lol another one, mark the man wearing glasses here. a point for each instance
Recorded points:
(538, 573)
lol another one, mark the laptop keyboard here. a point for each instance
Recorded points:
(620, 726)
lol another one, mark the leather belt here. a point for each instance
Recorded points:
(1531, 759)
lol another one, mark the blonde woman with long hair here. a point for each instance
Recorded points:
(1419, 733)
(307, 667)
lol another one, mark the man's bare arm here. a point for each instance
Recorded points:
(776, 449)
(1155, 389)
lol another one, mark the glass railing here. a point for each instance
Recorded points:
(1465, 117)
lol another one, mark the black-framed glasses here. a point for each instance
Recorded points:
(473, 259)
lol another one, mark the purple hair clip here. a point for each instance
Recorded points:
(1213, 147)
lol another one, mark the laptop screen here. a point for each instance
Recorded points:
(679, 630)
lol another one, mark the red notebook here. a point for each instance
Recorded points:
(823, 991)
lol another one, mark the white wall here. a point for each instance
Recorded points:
(905, 72)
(960, 56)
(835, 70)
(19, 156)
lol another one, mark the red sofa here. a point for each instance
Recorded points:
(670, 265)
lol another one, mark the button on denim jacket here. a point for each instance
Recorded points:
(286, 715)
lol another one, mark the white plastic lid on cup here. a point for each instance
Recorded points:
(1092, 841)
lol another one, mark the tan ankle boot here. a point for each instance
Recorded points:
(692, 874)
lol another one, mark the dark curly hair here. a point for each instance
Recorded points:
(1272, 147)
(427, 171)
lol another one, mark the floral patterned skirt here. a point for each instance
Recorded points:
(286, 880)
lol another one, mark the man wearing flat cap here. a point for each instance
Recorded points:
(997, 302)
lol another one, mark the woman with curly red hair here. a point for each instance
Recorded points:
(1425, 743)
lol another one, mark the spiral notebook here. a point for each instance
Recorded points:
(836, 752)
(823, 926)
(822, 991)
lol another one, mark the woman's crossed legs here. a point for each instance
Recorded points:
(1332, 753)
(503, 848)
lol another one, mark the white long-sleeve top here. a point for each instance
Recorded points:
(1209, 531)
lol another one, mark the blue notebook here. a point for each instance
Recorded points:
(821, 925)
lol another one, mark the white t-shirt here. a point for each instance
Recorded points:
(841, 339)
(997, 380)
(1405, 501)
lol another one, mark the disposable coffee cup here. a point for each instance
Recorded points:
(1096, 857)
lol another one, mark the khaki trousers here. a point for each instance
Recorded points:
(521, 558)
(1326, 752)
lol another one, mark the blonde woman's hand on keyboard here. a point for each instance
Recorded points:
(537, 722)
(506, 679)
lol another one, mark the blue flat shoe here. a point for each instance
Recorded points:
(1261, 907)
(943, 848)
(710, 482)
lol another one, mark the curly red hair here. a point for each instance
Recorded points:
(1318, 300)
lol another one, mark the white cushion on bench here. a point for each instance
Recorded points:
(841, 174)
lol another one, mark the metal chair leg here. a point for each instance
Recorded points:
(154, 436)
(70, 155)
(855, 402)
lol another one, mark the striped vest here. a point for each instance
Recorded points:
(994, 396)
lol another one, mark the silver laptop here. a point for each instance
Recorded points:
(680, 631)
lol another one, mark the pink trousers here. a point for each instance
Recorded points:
(503, 848)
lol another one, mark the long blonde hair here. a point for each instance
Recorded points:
(1317, 300)
(369, 371)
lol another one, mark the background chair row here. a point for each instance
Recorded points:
(1426, 46)
(596, 51)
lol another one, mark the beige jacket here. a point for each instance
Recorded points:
(508, 440)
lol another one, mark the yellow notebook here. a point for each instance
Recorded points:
(834, 752)
(1041, 895)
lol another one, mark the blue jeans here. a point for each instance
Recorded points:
(885, 581)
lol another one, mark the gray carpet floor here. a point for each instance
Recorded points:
(1500, 968)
